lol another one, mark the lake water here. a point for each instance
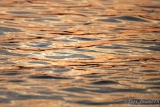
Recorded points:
(79, 53)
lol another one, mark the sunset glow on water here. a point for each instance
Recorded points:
(79, 53)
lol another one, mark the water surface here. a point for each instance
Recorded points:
(79, 53)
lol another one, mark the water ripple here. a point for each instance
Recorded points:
(79, 53)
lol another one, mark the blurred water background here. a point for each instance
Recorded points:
(79, 53)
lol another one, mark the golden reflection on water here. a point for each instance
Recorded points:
(79, 53)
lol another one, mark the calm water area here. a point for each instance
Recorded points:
(79, 53)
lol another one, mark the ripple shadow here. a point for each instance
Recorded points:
(7, 29)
